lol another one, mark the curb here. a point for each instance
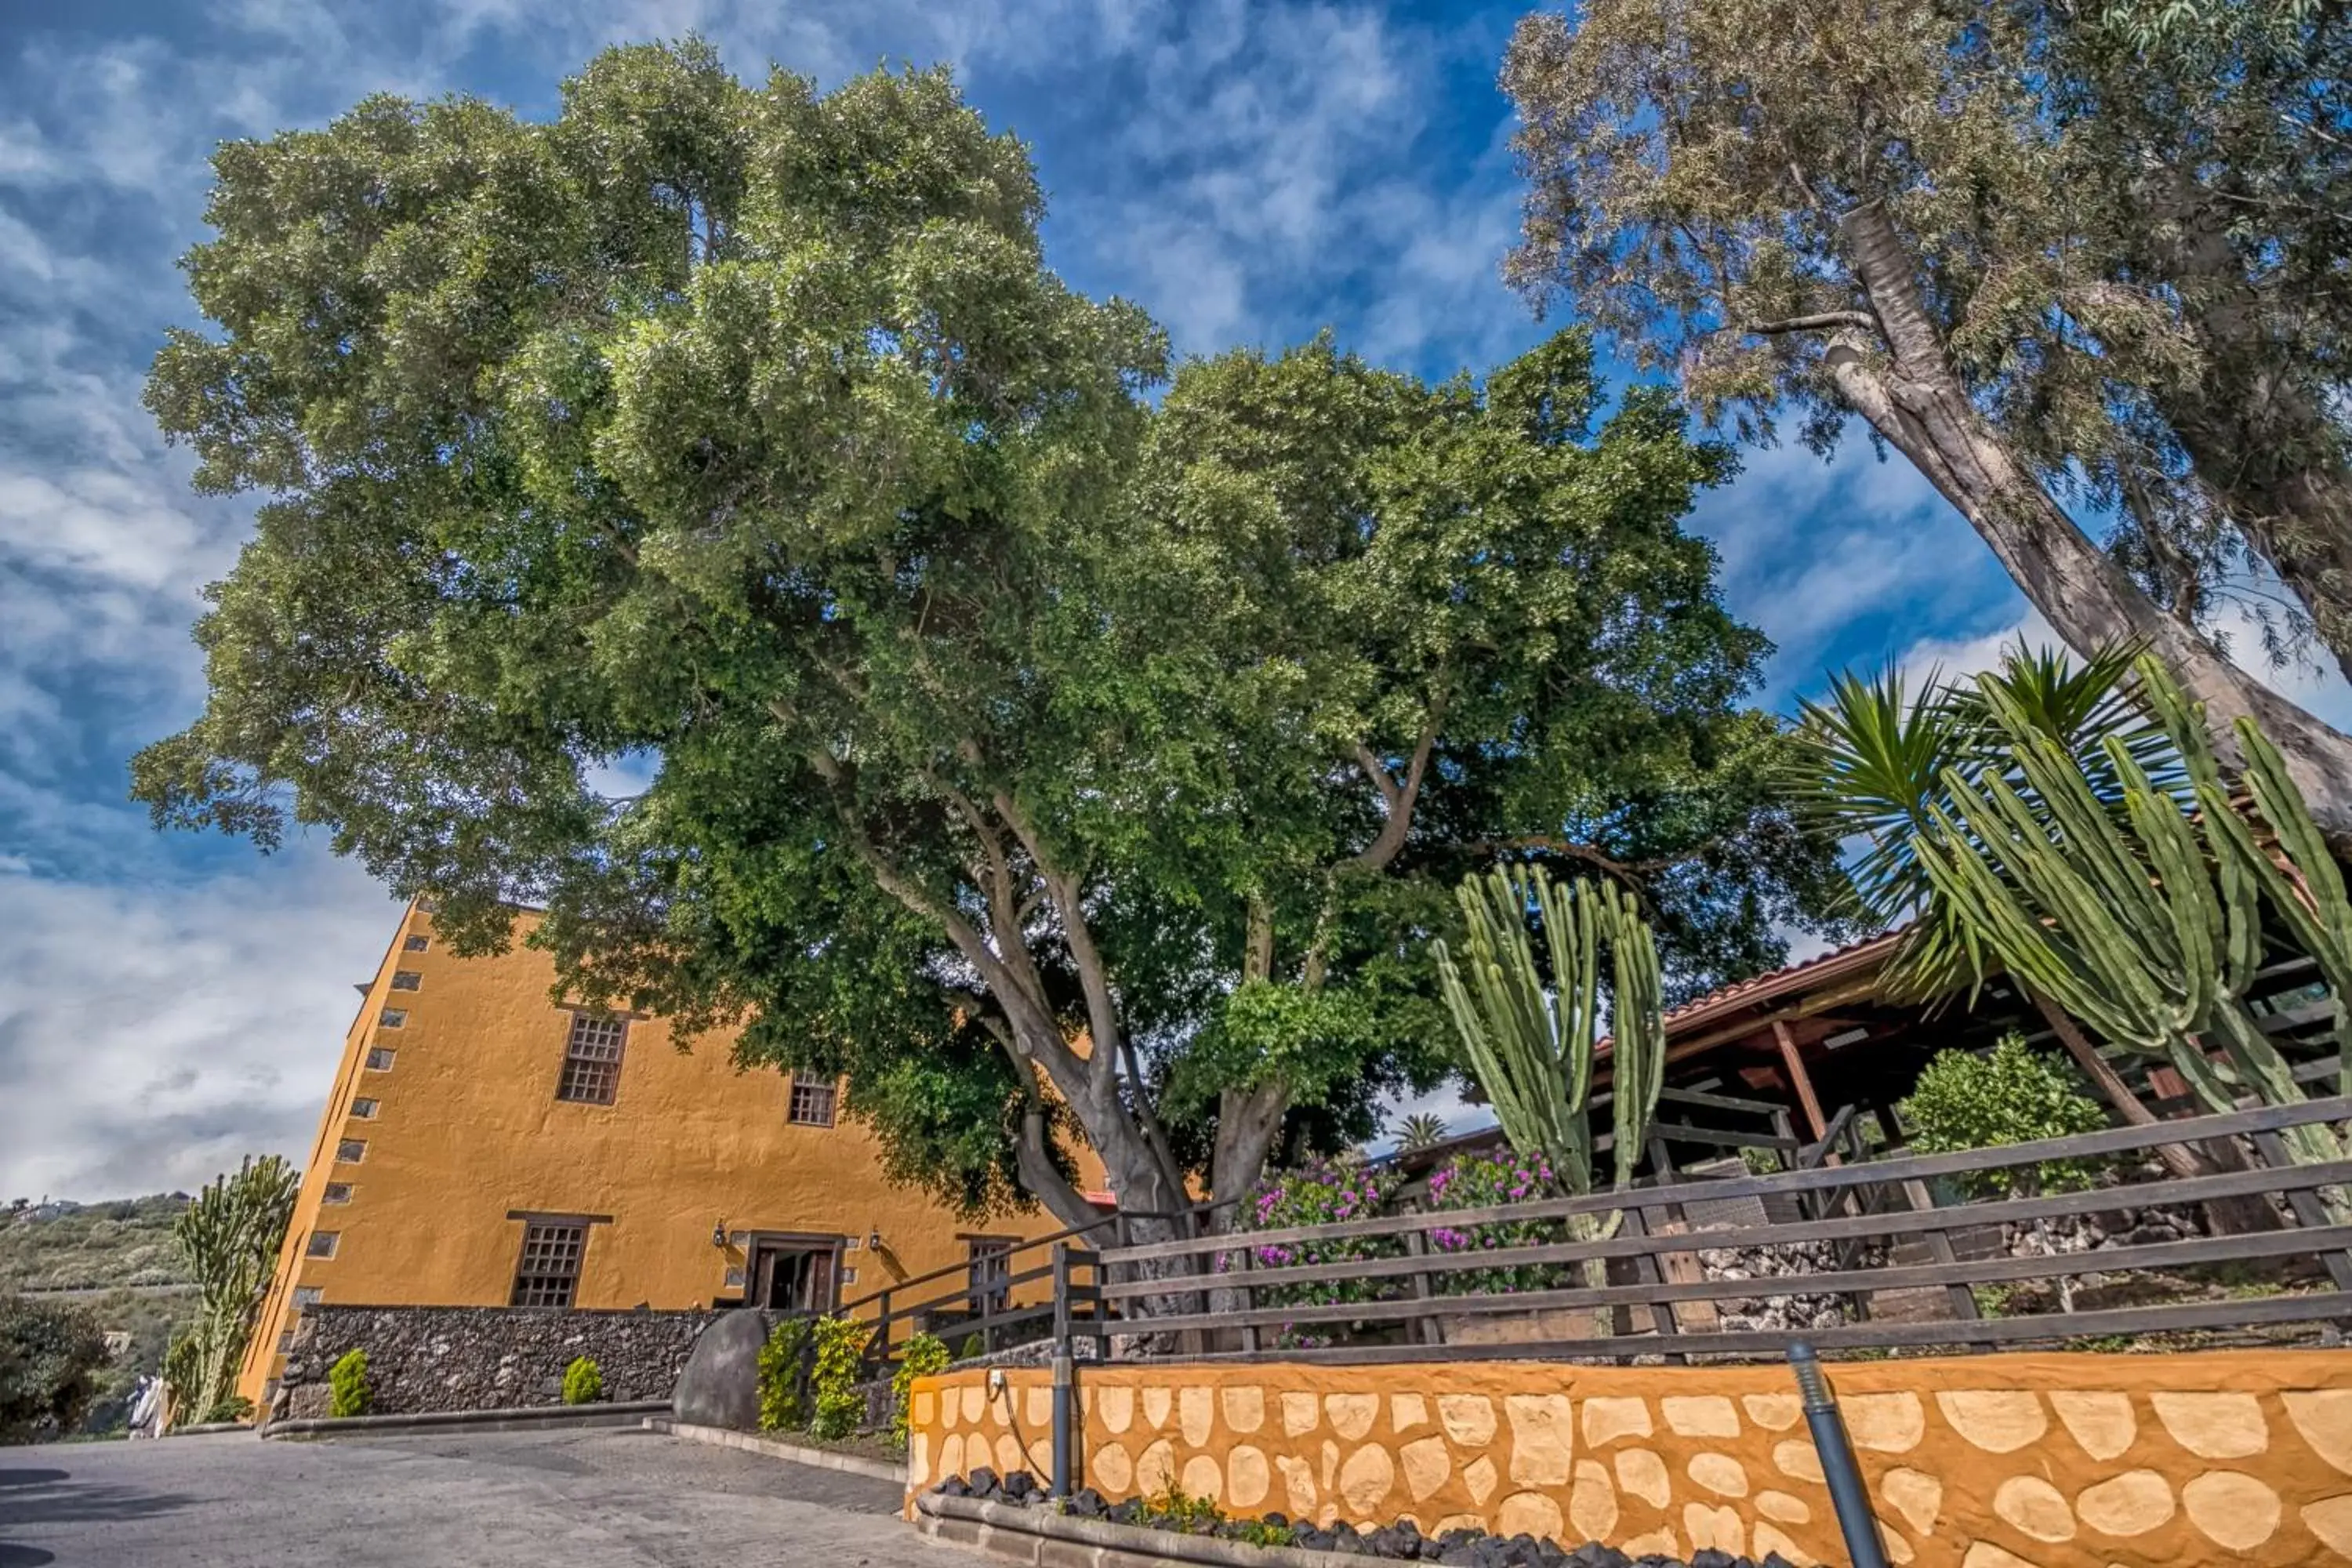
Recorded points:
(523, 1419)
(1028, 1535)
(793, 1453)
(206, 1429)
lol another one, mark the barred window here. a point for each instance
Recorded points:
(322, 1243)
(363, 1108)
(393, 1018)
(549, 1267)
(406, 980)
(336, 1193)
(591, 1061)
(350, 1151)
(309, 1295)
(417, 944)
(812, 1104)
(381, 1058)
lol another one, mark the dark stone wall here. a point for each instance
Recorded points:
(484, 1358)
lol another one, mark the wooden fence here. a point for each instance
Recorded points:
(1625, 1280)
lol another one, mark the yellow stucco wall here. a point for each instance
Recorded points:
(1993, 1461)
(468, 1128)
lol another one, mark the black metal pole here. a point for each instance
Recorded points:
(1064, 1372)
(1847, 1495)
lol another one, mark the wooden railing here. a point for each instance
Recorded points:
(1645, 1295)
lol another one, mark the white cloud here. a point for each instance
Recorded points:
(151, 1035)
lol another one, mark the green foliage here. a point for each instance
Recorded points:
(922, 1356)
(1529, 1038)
(346, 1385)
(584, 1382)
(783, 1377)
(2166, 349)
(1482, 1181)
(94, 1247)
(2008, 1095)
(839, 1408)
(973, 1348)
(1320, 1193)
(228, 1240)
(52, 1361)
(1172, 1509)
(1265, 1532)
(979, 700)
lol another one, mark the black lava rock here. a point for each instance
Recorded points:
(1712, 1557)
(1127, 1513)
(1594, 1555)
(982, 1481)
(1088, 1503)
(954, 1486)
(1019, 1486)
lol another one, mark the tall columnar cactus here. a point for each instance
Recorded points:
(2132, 914)
(228, 1239)
(1531, 1046)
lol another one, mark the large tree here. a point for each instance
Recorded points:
(2040, 255)
(1024, 750)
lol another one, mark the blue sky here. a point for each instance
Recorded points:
(1247, 173)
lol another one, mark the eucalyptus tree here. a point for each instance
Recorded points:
(705, 516)
(2044, 261)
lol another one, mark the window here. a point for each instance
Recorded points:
(417, 944)
(350, 1151)
(393, 1018)
(364, 1108)
(812, 1104)
(322, 1244)
(307, 1295)
(336, 1193)
(406, 980)
(591, 1061)
(987, 1268)
(285, 1343)
(549, 1267)
(381, 1058)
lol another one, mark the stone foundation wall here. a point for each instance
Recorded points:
(2072, 1460)
(482, 1358)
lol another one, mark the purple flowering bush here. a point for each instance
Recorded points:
(1321, 1192)
(1483, 1181)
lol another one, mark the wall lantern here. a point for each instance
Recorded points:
(719, 1235)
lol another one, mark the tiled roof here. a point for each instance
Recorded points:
(1852, 956)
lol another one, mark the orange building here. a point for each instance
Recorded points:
(486, 1146)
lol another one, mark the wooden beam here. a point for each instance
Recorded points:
(1801, 1080)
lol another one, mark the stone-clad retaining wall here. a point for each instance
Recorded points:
(1993, 1461)
(483, 1358)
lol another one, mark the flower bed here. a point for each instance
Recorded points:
(1171, 1512)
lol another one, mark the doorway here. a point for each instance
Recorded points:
(793, 1273)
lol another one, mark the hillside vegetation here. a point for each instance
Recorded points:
(93, 1246)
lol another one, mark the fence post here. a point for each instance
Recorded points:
(2309, 1212)
(1249, 1298)
(1847, 1494)
(882, 1330)
(1064, 1371)
(1431, 1331)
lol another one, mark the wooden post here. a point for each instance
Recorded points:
(1429, 1330)
(1961, 1298)
(2309, 1212)
(1801, 1080)
(882, 1330)
(1249, 1298)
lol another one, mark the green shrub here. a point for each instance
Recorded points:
(1175, 1510)
(782, 1408)
(346, 1385)
(582, 1383)
(52, 1358)
(924, 1354)
(2009, 1095)
(974, 1347)
(840, 1348)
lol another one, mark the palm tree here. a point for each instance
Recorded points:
(1420, 1131)
(1875, 756)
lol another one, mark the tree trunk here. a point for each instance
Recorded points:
(1248, 1122)
(1914, 399)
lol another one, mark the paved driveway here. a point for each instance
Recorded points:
(612, 1498)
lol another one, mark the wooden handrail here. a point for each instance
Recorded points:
(1921, 1167)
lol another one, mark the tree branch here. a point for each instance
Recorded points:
(1821, 321)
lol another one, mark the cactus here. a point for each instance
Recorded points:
(2132, 914)
(1531, 1049)
(228, 1239)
